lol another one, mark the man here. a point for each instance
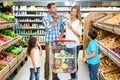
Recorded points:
(54, 26)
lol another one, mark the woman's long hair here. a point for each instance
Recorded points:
(78, 13)
(31, 44)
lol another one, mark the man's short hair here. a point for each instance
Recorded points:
(50, 4)
(92, 34)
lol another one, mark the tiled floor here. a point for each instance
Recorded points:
(23, 73)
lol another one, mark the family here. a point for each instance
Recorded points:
(55, 29)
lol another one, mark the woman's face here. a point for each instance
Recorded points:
(73, 12)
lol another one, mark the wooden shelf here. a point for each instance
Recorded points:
(101, 75)
(108, 27)
(8, 43)
(8, 25)
(114, 29)
(113, 56)
(15, 63)
(4, 72)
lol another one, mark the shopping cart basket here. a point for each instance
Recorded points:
(63, 57)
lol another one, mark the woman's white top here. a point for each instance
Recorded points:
(70, 35)
(36, 57)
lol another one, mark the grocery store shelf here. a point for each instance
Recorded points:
(30, 21)
(42, 43)
(116, 29)
(14, 67)
(8, 43)
(97, 10)
(29, 15)
(103, 48)
(41, 10)
(28, 28)
(28, 34)
(8, 25)
(102, 77)
(113, 56)
(108, 27)
(4, 72)
(82, 10)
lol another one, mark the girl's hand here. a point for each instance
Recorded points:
(35, 69)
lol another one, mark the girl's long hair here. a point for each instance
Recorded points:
(78, 13)
(31, 44)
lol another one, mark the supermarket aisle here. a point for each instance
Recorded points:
(23, 73)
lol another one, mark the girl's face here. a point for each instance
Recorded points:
(73, 12)
(37, 42)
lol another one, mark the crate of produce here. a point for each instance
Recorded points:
(117, 29)
(4, 71)
(13, 63)
(98, 25)
(21, 55)
(115, 52)
(113, 75)
(101, 76)
(105, 64)
(114, 56)
(104, 26)
(63, 59)
(103, 48)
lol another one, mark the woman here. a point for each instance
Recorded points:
(73, 32)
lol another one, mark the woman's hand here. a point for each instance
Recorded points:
(69, 25)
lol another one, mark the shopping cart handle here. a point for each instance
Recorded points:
(63, 41)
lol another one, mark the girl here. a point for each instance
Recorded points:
(34, 50)
(92, 58)
(73, 32)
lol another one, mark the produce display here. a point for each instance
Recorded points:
(111, 41)
(3, 39)
(9, 33)
(106, 65)
(2, 20)
(113, 20)
(64, 65)
(115, 75)
(116, 50)
(7, 17)
(109, 15)
(101, 34)
(15, 50)
(6, 58)
(1, 67)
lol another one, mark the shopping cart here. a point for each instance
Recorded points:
(62, 58)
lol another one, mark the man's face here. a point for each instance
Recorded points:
(53, 9)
